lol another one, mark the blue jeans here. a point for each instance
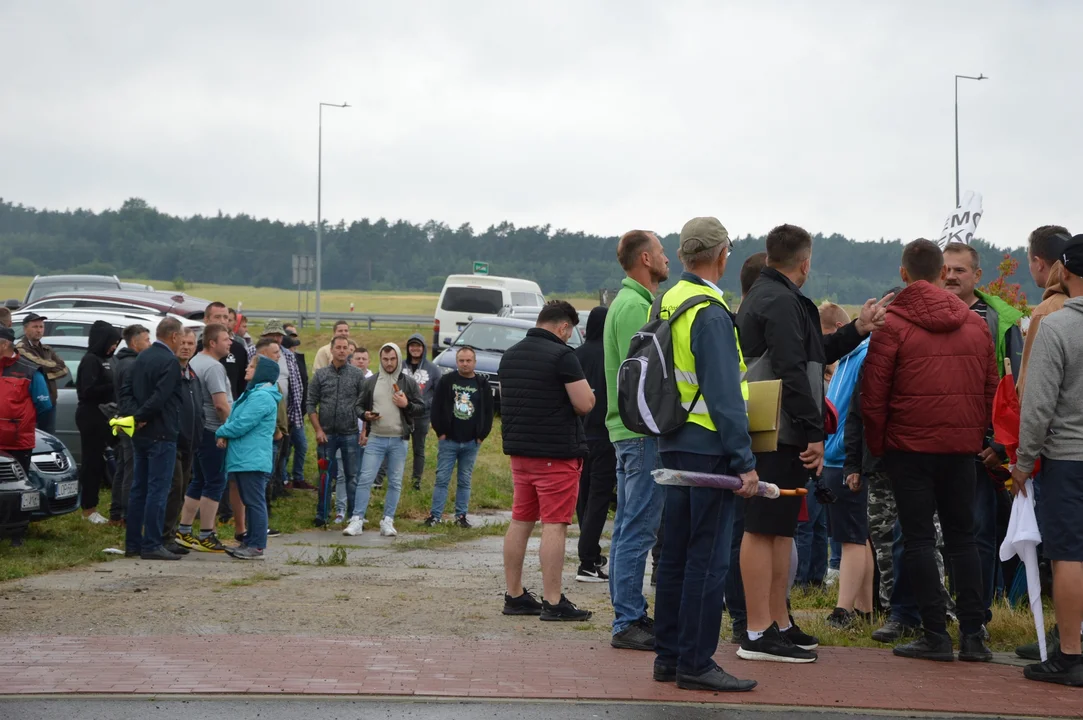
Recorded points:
(985, 535)
(152, 477)
(450, 453)
(253, 488)
(811, 537)
(693, 568)
(334, 445)
(635, 528)
(298, 443)
(379, 448)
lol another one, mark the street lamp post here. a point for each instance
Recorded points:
(319, 210)
(957, 78)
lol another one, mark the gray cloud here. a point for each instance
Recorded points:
(597, 116)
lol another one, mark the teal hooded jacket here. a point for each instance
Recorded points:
(250, 428)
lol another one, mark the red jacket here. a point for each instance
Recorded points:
(930, 376)
(18, 418)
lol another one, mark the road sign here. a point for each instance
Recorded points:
(481, 268)
(304, 270)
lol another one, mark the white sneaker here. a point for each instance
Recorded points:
(387, 527)
(354, 528)
(96, 518)
(831, 577)
(339, 519)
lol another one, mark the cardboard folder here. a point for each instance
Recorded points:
(764, 414)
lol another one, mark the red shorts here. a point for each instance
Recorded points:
(545, 489)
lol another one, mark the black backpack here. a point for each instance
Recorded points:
(647, 395)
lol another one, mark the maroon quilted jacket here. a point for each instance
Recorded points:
(930, 376)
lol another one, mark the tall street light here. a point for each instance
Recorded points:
(957, 78)
(319, 211)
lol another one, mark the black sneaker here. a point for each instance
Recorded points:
(739, 636)
(801, 639)
(319, 522)
(716, 679)
(271, 532)
(637, 636)
(773, 646)
(602, 561)
(430, 521)
(591, 574)
(664, 673)
(930, 646)
(159, 554)
(177, 549)
(565, 611)
(461, 521)
(525, 604)
(1057, 669)
(1031, 651)
(893, 631)
(417, 483)
(972, 648)
(841, 619)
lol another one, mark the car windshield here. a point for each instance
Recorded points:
(491, 337)
(41, 289)
(472, 300)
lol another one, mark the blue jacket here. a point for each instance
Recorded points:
(250, 428)
(847, 375)
(719, 371)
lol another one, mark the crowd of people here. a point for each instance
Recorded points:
(886, 419)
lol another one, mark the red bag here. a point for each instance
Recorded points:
(1006, 412)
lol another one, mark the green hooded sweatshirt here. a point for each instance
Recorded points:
(1007, 317)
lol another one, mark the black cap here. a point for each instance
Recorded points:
(7, 333)
(32, 317)
(1072, 257)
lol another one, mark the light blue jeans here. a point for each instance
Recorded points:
(378, 448)
(635, 528)
(451, 452)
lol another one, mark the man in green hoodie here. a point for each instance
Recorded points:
(962, 270)
(639, 498)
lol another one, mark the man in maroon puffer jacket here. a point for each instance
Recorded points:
(927, 400)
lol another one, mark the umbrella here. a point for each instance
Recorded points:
(1022, 539)
(721, 482)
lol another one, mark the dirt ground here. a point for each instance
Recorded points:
(383, 590)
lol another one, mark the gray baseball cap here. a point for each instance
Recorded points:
(702, 233)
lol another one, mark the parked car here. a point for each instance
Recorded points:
(18, 499)
(531, 314)
(490, 337)
(43, 285)
(55, 475)
(123, 301)
(465, 298)
(77, 322)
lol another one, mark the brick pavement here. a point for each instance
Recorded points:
(452, 667)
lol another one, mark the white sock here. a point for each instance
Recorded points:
(782, 630)
(754, 635)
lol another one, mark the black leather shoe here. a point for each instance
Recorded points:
(893, 631)
(159, 554)
(930, 646)
(716, 680)
(972, 648)
(664, 673)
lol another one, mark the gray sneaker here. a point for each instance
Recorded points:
(637, 636)
(246, 552)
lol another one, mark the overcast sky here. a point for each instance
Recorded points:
(593, 116)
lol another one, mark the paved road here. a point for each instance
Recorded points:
(335, 709)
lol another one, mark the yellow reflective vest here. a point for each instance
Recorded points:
(683, 360)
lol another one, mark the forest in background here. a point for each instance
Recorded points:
(139, 241)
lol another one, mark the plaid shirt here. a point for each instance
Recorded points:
(294, 412)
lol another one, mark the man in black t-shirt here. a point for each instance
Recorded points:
(462, 416)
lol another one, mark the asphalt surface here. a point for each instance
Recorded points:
(341, 709)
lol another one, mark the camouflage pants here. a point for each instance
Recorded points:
(882, 518)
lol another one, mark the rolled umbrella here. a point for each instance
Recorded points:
(720, 482)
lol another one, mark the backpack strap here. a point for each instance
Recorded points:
(691, 303)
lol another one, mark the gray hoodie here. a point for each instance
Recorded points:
(425, 373)
(1052, 415)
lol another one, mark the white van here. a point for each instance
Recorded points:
(466, 297)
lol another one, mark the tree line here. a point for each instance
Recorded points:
(139, 241)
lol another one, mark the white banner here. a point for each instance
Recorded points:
(962, 224)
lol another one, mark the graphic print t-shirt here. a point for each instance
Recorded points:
(465, 404)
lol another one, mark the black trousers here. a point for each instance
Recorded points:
(596, 483)
(945, 484)
(95, 436)
(182, 475)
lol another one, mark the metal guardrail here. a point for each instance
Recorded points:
(354, 318)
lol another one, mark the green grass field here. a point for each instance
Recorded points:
(334, 301)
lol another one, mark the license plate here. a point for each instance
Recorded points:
(67, 489)
(31, 501)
